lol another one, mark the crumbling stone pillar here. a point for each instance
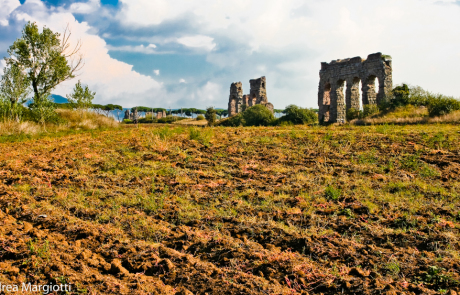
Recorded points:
(258, 95)
(353, 101)
(258, 90)
(127, 115)
(341, 108)
(135, 116)
(235, 101)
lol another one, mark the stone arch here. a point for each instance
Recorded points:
(326, 99)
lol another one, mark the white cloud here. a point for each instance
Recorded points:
(140, 49)
(209, 93)
(114, 81)
(85, 8)
(421, 35)
(156, 72)
(283, 40)
(198, 41)
(7, 6)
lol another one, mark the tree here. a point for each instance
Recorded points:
(15, 88)
(298, 115)
(210, 116)
(47, 60)
(258, 115)
(82, 98)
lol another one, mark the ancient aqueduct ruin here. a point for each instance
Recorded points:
(339, 85)
(257, 95)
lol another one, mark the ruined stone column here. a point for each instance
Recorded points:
(369, 91)
(333, 108)
(354, 90)
(127, 115)
(340, 102)
(235, 100)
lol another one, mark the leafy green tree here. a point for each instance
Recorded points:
(47, 61)
(258, 115)
(81, 97)
(211, 116)
(15, 88)
(43, 110)
(298, 115)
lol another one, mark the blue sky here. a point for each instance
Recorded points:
(182, 53)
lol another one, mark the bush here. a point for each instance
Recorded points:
(200, 118)
(258, 115)
(170, 119)
(298, 115)
(211, 116)
(353, 113)
(369, 110)
(332, 193)
(147, 120)
(439, 105)
(233, 121)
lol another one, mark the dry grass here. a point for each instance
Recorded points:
(408, 115)
(192, 122)
(85, 120)
(16, 128)
(73, 120)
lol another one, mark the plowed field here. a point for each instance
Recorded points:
(295, 210)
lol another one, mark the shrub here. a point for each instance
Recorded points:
(353, 113)
(332, 193)
(200, 118)
(233, 121)
(147, 120)
(298, 115)
(211, 116)
(369, 110)
(439, 105)
(169, 119)
(258, 115)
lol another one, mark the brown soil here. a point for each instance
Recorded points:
(292, 211)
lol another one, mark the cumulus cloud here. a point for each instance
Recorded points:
(198, 41)
(7, 6)
(85, 7)
(156, 72)
(139, 49)
(254, 38)
(113, 80)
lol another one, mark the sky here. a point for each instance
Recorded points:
(186, 53)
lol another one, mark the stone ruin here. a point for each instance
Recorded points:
(257, 95)
(334, 100)
(133, 116)
(161, 115)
